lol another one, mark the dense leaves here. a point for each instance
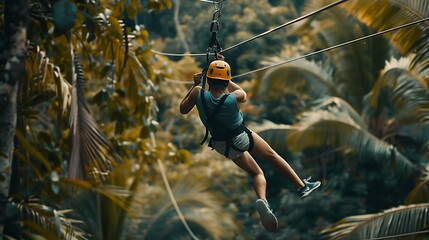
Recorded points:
(92, 155)
(386, 224)
(64, 16)
(356, 118)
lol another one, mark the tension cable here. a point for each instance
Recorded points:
(286, 24)
(219, 3)
(333, 47)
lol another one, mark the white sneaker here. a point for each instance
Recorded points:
(266, 215)
(308, 188)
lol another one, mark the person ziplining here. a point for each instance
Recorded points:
(219, 111)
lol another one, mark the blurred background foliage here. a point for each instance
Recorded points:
(355, 117)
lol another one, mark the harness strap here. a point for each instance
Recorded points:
(206, 112)
(210, 120)
(249, 134)
(211, 116)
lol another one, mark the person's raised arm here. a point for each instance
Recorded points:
(190, 98)
(239, 93)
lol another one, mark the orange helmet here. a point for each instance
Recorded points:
(219, 69)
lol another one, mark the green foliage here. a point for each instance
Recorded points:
(92, 156)
(354, 66)
(239, 20)
(321, 128)
(349, 121)
(155, 5)
(353, 142)
(386, 224)
(45, 221)
(298, 85)
(384, 14)
(199, 207)
(46, 95)
(401, 94)
(64, 16)
(183, 129)
(420, 193)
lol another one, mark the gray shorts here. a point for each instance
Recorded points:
(240, 141)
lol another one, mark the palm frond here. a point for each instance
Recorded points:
(103, 207)
(274, 134)
(198, 206)
(416, 132)
(33, 151)
(396, 221)
(46, 221)
(92, 155)
(321, 128)
(112, 215)
(43, 82)
(115, 194)
(116, 42)
(302, 76)
(420, 8)
(383, 14)
(420, 193)
(338, 106)
(401, 94)
(336, 26)
(126, 45)
(117, 51)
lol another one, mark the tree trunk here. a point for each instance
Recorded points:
(178, 27)
(12, 67)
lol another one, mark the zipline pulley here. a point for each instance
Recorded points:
(214, 46)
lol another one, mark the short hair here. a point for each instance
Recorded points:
(216, 83)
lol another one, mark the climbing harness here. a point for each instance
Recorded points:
(218, 132)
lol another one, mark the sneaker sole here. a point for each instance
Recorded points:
(314, 188)
(268, 218)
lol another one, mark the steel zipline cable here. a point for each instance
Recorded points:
(286, 24)
(256, 36)
(213, 2)
(333, 47)
(179, 54)
(170, 192)
(322, 50)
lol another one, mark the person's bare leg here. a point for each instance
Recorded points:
(268, 219)
(247, 163)
(263, 150)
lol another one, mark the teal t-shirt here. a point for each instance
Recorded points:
(228, 118)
